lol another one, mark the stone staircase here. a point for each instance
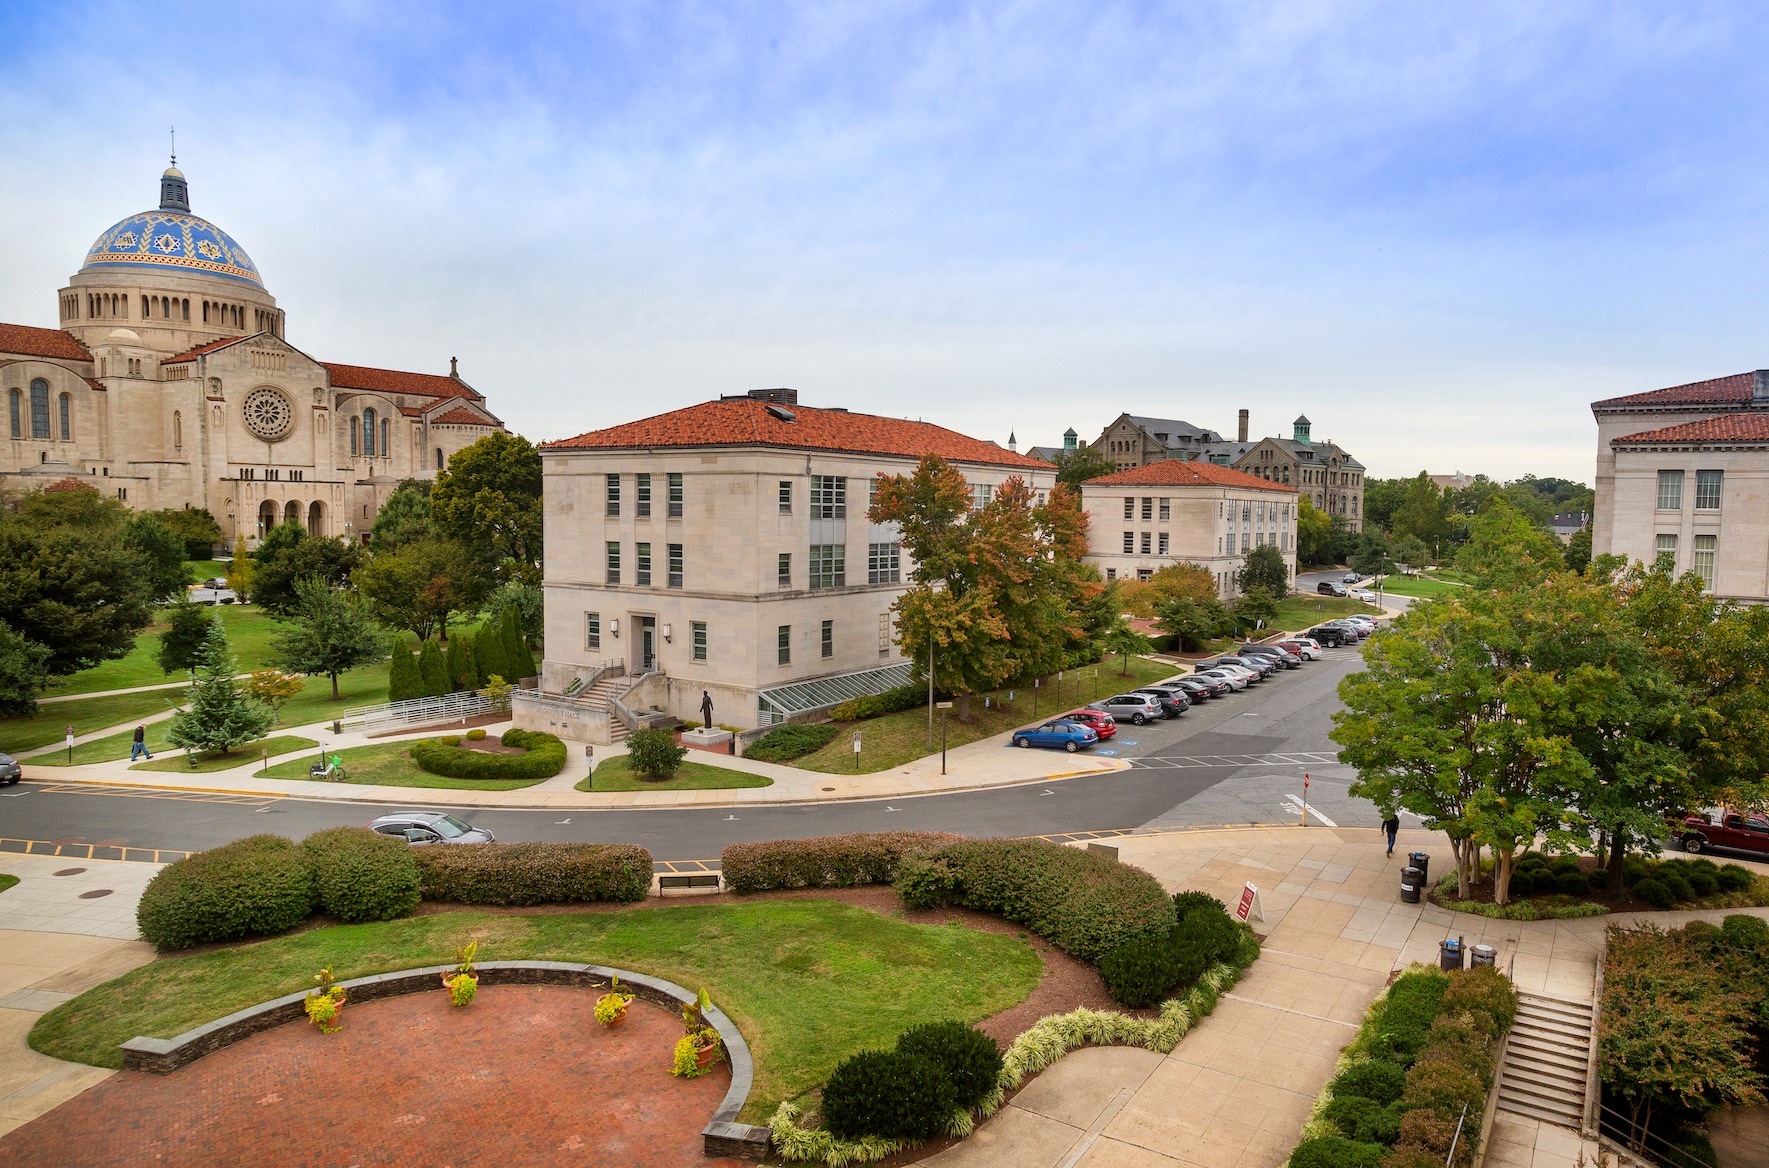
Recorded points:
(598, 694)
(1547, 1061)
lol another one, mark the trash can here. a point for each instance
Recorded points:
(1411, 880)
(1449, 954)
(1484, 955)
(1422, 862)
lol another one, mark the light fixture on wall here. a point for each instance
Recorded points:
(666, 633)
(614, 627)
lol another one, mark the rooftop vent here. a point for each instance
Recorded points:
(781, 412)
(784, 397)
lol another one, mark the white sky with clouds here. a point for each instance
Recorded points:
(1439, 231)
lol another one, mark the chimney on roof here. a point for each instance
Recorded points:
(1760, 388)
(1241, 430)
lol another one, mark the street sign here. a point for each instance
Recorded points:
(856, 742)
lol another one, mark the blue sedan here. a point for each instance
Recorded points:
(1071, 736)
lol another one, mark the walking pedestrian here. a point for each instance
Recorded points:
(1391, 825)
(140, 746)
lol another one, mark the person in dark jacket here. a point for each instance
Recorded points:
(1391, 825)
(140, 746)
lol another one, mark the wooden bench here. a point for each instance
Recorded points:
(688, 880)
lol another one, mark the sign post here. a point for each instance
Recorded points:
(944, 706)
(856, 752)
(1250, 904)
(70, 742)
(1304, 798)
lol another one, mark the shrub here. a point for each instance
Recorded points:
(545, 757)
(1702, 863)
(1655, 893)
(1634, 870)
(1083, 903)
(1425, 1132)
(251, 887)
(1443, 1087)
(1210, 932)
(1141, 972)
(830, 861)
(654, 753)
(1675, 881)
(1744, 931)
(1346, 1112)
(1405, 1017)
(1185, 902)
(923, 883)
(361, 875)
(788, 742)
(970, 1058)
(1374, 1079)
(1572, 884)
(1523, 882)
(885, 1093)
(1482, 991)
(1702, 882)
(450, 740)
(1381, 1126)
(534, 873)
(904, 697)
(1734, 878)
(477, 735)
(1564, 865)
(1330, 1151)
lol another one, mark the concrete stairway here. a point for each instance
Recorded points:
(1547, 1060)
(597, 695)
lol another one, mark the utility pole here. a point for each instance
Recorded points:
(930, 690)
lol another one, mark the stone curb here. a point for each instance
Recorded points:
(723, 1135)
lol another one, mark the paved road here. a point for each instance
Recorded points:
(1234, 760)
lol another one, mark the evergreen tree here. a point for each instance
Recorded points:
(404, 682)
(187, 627)
(459, 663)
(516, 652)
(488, 654)
(470, 649)
(22, 672)
(329, 634)
(433, 670)
(220, 715)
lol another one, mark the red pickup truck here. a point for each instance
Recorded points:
(1746, 832)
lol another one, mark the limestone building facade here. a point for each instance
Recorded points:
(725, 548)
(1683, 472)
(170, 383)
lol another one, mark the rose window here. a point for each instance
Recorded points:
(268, 414)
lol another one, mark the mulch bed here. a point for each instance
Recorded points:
(453, 725)
(1623, 901)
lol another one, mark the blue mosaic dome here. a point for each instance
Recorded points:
(172, 239)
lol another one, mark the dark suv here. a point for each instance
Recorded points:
(10, 771)
(1277, 653)
(1332, 636)
(1174, 700)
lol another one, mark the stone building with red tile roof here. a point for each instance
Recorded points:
(725, 549)
(170, 383)
(1171, 511)
(1683, 472)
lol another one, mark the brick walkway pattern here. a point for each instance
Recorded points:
(524, 1076)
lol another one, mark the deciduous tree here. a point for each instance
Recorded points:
(82, 594)
(328, 634)
(274, 688)
(289, 555)
(1074, 467)
(419, 585)
(489, 499)
(23, 672)
(1264, 567)
(1506, 550)
(404, 518)
(1314, 533)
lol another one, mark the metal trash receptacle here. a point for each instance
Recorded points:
(1449, 954)
(1422, 862)
(1411, 881)
(1484, 955)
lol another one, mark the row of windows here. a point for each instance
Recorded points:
(642, 495)
(593, 635)
(697, 638)
(1701, 559)
(825, 641)
(674, 562)
(362, 436)
(1707, 490)
(39, 412)
(1130, 544)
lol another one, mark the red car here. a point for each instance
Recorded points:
(1744, 832)
(1094, 720)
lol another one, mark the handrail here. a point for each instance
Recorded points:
(1670, 1156)
(1593, 1087)
(633, 722)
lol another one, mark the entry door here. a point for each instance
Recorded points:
(647, 643)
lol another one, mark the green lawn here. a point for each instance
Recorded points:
(246, 754)
(894, 739)
(249, 631)
(50, 722)
(808, 981)
(386, 764)
(616, 774)
(1420, 586)
(7, 880)
(1296, 613)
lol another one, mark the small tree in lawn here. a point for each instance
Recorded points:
(330, 633)
(497, 692)
(1193, 621)
(404, 682)
(1126, 642)
(1254, 609)
(274, 688)
(1264, 567)
(241, 571)
(433, 670)
(655, 753)
(187, 627)
(220, 715)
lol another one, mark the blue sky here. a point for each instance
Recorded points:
(1440, 231)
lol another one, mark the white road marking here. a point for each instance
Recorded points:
(567, 819)
(1295, 808)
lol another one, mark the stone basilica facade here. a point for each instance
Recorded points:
(170, 383)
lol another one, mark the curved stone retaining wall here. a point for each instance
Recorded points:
(724, 1136)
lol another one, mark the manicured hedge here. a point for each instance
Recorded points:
(830, 861)
(251, 887)
(1148, 970)
(904, 697)
(545, 757)
(789, 742)
(887, 1093)
(362, 875)
(525, 874)
(1083, 903)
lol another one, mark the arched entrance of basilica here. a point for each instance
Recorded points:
(292, 513)
(316, 518)
(266, 518)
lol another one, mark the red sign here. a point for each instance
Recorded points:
(1245, 909)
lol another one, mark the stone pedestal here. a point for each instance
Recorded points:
(706, 739)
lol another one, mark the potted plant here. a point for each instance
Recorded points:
(699, 1047)
(325, 1003)
(463, 983)
(611, 1007)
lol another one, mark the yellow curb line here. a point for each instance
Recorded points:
(158, 787)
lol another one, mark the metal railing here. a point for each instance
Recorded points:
(450, 707)
(1620, 1135)
(632, 721)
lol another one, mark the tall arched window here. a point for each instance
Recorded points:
(177, 430)
(353, 439)
(386, 438)
(40, 409)
(15, 407)
(368, 433)
(67, 418)
(439, 458)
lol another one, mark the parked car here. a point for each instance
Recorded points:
(1330, 588)
(1199, 688)
(1350, 578)
(1363, 594)
(1352, 628)
(1174, 701)
(1729, 829)
(1236, 679)
(1099, 723)
(10, 771)
(1277, 653)
(1263, 666)
(1332, 636)
(1362, 621)
(1069, 736)
(431, 827)
(1135, 708)
(1303, 647)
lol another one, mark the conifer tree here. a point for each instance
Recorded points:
(459, 664)
(404, 682)
(516, 651)
(220, 715)
(187, 627)
(434, 670)
(488, 652)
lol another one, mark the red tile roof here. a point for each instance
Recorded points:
(1749, 427)
(1171, 472)
(191, 354)
(462, 416)
(395, 381)
(41, 342)
(747, 422)
(1717, 391)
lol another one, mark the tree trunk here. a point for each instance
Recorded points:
(1502, 875)
(964, 707)
(334, 687)
(1618, 853)
(1464, 851)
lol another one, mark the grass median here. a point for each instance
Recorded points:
(249, 632)
(1420, 587)
(389, 764)
(808, 981)
(249, 754)
(617, 774)
(86, 715)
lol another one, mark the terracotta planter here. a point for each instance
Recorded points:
(704, 1055)
(620, 1020)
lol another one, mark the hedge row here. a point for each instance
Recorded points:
(831, 861)
(784, 743)
(545, 757)
(904, 697)
(255, 886)
(911, 1092)
(1146, 971)
(1083, 903)
(528, 874)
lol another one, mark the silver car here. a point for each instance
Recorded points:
(1237, 679)
(431, 827)
(10, 771)
(1135, 708)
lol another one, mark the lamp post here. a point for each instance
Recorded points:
(944, 706)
